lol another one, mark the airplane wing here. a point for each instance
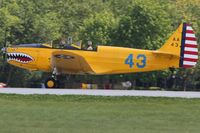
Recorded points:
(69, 62)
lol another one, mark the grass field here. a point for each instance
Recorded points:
(89, 114)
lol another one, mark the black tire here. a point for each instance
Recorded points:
(51, 83)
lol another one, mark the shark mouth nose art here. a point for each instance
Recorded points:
(19, 57)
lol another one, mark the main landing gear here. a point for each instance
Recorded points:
(52, 82)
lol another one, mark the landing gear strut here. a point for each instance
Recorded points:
(52, 82)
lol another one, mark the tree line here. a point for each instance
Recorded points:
(129, 23)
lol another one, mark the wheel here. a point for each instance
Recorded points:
(51, 83)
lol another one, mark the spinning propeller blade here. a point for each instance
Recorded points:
(4, 49)
(4, 53)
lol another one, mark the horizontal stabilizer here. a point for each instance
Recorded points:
(165, 54)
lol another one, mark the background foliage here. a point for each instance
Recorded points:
(129, 23)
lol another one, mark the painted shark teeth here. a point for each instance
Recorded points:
(19, 57)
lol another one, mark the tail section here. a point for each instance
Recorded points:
(189, 47)
(183, 43)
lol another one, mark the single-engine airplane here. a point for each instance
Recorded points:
(179, 51)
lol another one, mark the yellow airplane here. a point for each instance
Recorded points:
(179, 51)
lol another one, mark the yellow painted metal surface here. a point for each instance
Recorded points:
(41, 58)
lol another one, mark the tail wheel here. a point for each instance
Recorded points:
(51, 83)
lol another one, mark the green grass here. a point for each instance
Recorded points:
(88, 114)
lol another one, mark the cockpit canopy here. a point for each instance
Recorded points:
(73, 46)
(35, 45)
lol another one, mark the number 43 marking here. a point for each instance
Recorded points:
(140, 57)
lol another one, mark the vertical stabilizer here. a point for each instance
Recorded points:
(183, 43)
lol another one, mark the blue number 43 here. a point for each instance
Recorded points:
(129, 60)
(141, 61)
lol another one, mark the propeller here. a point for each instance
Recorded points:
(4, 49)
(4, 53)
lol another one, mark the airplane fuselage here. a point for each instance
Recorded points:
(105, 60)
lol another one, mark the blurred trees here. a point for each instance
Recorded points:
(143, 26)
(99, 27)
(129, 23)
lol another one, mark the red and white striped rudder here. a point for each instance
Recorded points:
(189, 47)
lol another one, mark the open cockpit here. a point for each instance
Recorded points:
(73, 46)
